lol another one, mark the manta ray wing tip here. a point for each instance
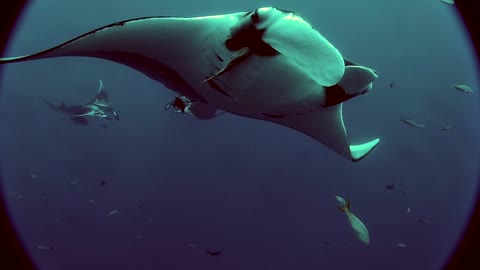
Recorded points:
(360, 151)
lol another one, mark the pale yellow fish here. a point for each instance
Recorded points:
(358, 227)
(463, 87)
(401, 245)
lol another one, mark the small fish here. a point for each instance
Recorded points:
(402, 245)
(147, 214)
(73, 182)
(192, 246)
(17, 195)
(408, 211)
(44, 247)
(390, 186)
(412, 123)
(213, 253)
(33, 175)
(423, 221)
(113, 212)
(391, 85)
(148, 220)
(463, 88)
(358, 227)
(138, 237)
(103, 182)
(91, 201)
(446, 128)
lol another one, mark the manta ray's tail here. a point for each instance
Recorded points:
(357, 80)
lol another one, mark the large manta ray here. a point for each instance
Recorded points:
(268, 64)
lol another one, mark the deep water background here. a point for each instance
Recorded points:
(259, 192)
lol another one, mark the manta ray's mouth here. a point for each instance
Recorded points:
(250, 37)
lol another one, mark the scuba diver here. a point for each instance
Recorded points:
(200, 110)
(99, 107)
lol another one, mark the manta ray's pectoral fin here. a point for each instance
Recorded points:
(356, 80)
(101, 98)
(236, 59)
(359, 151)
(79, 120)
(326, 126)
(56, 108)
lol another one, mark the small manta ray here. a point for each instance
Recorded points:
(99, 107)
(245, 63)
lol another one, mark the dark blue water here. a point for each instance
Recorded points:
(260, 193)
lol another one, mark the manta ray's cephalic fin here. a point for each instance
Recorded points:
(357, 80)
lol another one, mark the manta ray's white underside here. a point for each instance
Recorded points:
(267, 64)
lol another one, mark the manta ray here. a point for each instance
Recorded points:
(268, 64)
(98, 107)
